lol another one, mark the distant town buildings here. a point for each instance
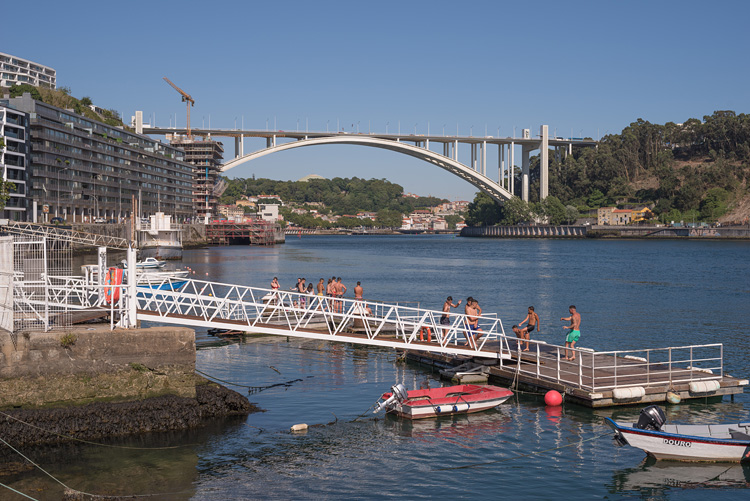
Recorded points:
(232, 212)
(15, 71)
(612, 216)
(269, 212)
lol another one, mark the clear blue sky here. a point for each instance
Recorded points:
(586, 68)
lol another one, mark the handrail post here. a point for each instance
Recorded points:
(669, 350)
(593, 371)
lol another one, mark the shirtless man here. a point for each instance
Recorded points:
(574, 334)
(533, 319)
(519, 334)
(321, 288)
(445, 318)
(472, 311)
(358, 290)
(340, 291)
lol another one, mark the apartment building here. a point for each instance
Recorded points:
(13, 160)
(15, 70)
(82, 170)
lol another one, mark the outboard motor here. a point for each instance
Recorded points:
(651, 418)
(398, 392)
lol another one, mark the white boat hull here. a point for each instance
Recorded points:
(681, 447)
(429, 411)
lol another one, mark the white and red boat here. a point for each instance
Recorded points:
(446, 401)
(681, 442)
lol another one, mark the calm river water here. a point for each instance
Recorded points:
(631, 294)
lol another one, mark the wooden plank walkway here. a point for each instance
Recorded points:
(575, 379)
(593, 379)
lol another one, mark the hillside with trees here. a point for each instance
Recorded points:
(339, 196)
(697, 170)
(61, 98)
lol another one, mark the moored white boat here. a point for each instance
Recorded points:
(446, 401)
(711, 442)
(150, 263)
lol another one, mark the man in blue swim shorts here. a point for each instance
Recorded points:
(574, 334)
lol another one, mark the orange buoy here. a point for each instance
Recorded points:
(553, 398)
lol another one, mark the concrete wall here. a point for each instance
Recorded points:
(42, 369)
(193, 235)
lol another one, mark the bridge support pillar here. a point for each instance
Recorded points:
(484, 157)
(512, 167)
(544, 163)
(239, 143)
(525, 173)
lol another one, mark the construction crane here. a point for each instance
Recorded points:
(185, 98)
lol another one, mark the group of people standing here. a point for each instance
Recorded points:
(473, 311)
(334, 289)
(572, 337)
(473, 332)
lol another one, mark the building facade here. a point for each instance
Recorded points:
(83, 170)
(13, 160)
(206, 156)
(15, 70)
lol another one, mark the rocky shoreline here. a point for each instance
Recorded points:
(103, 420)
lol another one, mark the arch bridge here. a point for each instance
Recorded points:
(497, 184)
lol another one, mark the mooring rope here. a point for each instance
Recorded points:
(17, 492)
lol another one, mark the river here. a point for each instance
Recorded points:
(630, 293)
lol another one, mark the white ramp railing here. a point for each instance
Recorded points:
(215, 305)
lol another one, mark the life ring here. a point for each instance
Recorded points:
(114, 277)
(422, 331)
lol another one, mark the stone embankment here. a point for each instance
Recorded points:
(92, 383)
(594, 231)
(193, 235)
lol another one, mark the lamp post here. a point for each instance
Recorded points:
(59, 170)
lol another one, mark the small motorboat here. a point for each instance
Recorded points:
(150, 263)
(163, 280)
(446, 401)
(684, 442)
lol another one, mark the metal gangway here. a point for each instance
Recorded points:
(200, 303)
(62, 234)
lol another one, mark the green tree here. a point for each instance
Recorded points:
(596, 199)
(483, 210)
(388, 218)
(552, 210)
(571, 214)
(452, 220)
(18, 90)
(516, 211)
(714, 204)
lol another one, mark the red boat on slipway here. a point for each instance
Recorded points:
(446, 401)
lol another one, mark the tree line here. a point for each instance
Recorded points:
(694, 170)
(339, 196)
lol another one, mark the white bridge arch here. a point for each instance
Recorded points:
(477, 179)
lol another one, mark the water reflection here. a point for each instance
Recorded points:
(658, 477)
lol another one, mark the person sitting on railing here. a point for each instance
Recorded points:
(519, 334)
